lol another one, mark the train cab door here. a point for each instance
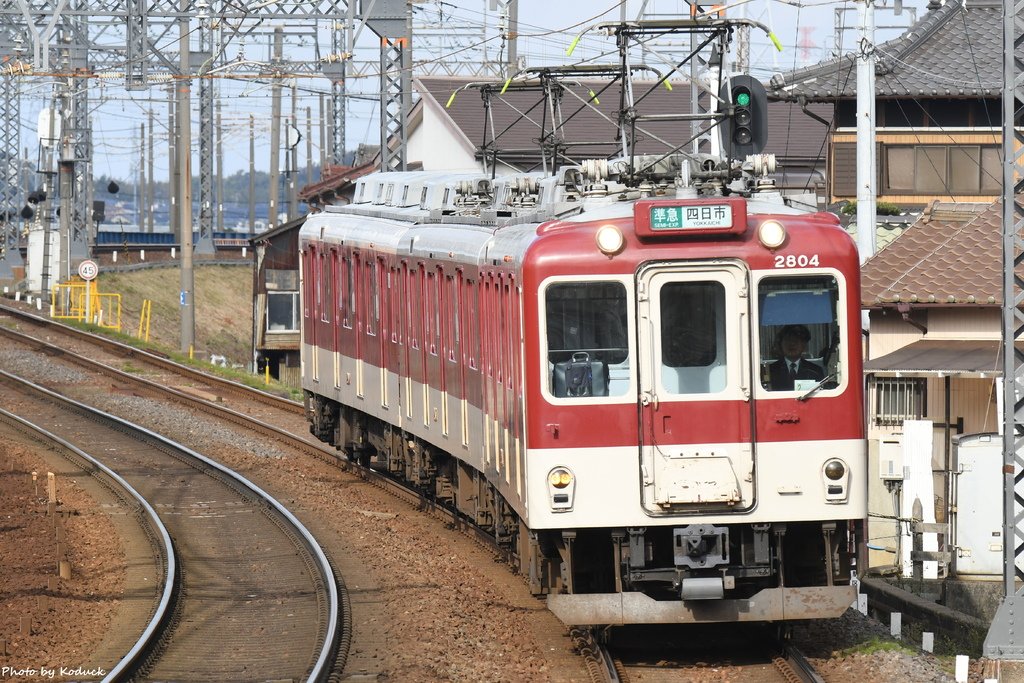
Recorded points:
(696, 418)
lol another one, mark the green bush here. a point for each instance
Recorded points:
(881, 209)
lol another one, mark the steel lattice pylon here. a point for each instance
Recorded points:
(80, 132)
(136, 43)
(10, 193)
(204, 244)
(338, 74)
(395, 84)
(1005, 640)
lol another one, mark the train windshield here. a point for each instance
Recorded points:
(693, 342)
(587, 338)
(799, 332)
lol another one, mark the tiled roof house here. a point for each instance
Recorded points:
(938, 116)
(934, 299)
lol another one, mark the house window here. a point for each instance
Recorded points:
(941, 169)
(280, 280)
(282, 311)
(897, 399)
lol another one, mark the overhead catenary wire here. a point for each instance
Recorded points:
(236, 32)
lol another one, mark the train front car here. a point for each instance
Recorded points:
(695, 422)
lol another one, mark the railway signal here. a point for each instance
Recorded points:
(745, 129)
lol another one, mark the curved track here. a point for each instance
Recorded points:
(162, 593)
(257, 597)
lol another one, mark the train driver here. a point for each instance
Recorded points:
(792, 365)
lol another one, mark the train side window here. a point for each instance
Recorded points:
(323, 297)
(587, 338)
(799, 333)
(350, 290)
(373, 299)
(472, 308)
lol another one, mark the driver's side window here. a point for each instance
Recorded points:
(799, 332)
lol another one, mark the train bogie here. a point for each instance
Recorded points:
(655, 406)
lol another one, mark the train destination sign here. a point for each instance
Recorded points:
(663, 218)
(688, 217)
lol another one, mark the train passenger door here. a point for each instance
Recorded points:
(695, 387)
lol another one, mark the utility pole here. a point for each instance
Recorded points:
(866, 162)
(140, 188)
(293, 155)
(67, 186)
(152, 178)
(323, 137)
(309, 146)
(44, 206)
(220, 171)
(275, 131)
(252, 175)
(172, 158)
(184, 167)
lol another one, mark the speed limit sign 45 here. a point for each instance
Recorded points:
(87, 270)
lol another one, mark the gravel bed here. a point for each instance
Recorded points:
(40, 368)
(195, 430)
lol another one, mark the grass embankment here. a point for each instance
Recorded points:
(223, 314)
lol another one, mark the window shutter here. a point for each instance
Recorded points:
(844, 171)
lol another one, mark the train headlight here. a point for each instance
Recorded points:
(771, 234)
(610, 240)
(835, 477)
(561, 489)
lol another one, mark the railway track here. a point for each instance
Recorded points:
(284, 422)
(158, 367)
(278, 418)
(254, 598)
(155, 602)
(721, 652)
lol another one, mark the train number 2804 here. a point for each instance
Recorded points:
(796, 260)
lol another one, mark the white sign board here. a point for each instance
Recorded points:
(87, 270)
(47, 127)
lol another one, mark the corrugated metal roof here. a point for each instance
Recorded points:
(953, 51)
(793, 136)
(951, 255)
(942, 356)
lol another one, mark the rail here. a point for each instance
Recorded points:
(155, 529)
(324, 663)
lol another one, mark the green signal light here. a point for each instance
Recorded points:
(743, 99)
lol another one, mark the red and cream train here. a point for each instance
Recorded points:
(581, 364)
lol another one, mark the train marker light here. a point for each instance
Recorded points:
(771, 234)
(560, 478)
(561, 489)
(836, 478)
(834, 469)
(610, 240)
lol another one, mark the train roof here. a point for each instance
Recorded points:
(594, 189)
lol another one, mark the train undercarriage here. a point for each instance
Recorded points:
(786, 567)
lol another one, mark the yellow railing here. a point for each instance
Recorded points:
(144, 318)
(82, 301)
